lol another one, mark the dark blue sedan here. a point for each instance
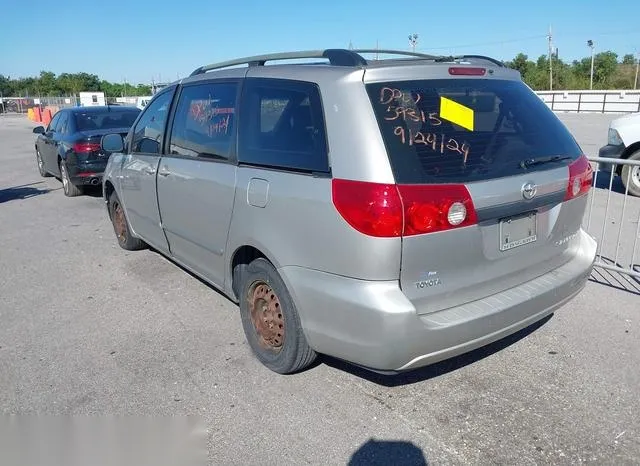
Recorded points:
(69, 148)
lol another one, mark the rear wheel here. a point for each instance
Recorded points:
(631, 175)
(121, 226)
(44, 173)
(70, 189)
(270, 320)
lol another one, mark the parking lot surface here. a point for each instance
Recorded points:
(88, 328)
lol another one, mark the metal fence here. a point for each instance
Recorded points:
(613, 218)
(23, 104)
(578, 101)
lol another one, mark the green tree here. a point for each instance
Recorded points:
(628, 59)
(47, 83)
(605, 65)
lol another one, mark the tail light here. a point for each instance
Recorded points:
(580, 178)
(84, 147)
(388, 210)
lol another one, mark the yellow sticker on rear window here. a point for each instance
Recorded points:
(456, 113)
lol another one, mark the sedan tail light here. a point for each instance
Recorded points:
(85, 147)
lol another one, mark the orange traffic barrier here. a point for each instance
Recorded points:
(37, 114)
(46, 116)
(30, 114)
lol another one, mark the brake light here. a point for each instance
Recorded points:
(467, 71)
(84, 147)
(371, 208)
(432, 208)
(388, 210)
(580, 178)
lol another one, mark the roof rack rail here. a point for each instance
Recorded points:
(337, 57)
(398, 52)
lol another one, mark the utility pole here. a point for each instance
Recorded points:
(635, 82)
(550, 37)
(590, 44)
(413, 41)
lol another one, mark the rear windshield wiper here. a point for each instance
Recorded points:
(541, 161)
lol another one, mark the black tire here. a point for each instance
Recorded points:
(632, 174)
(121, 226)
(43, 173)
(280, 345)
(70, 189)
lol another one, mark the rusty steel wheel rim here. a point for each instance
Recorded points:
(266, 316)
(119, 222)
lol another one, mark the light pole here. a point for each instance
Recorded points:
(413, 41)
(635, 81)
(590, 44)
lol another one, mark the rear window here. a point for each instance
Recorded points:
(105, 120)
(463, 130)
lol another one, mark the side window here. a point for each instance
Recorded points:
(148, 133)
(282, 125)
(63, 123)
(204, 123)
(54, 122)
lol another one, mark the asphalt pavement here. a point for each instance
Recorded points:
(87, 328)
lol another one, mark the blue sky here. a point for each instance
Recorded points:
(140, 39)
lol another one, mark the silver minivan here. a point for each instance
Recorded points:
(391, 213)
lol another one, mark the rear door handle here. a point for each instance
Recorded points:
(149, 171)
(164, 171)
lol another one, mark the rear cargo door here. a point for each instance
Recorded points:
(499, 141)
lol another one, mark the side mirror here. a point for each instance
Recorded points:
(112, 143)
(38, 130)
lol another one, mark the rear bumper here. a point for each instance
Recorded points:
(88, 173)
(374, 325)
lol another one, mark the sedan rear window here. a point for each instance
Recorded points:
(463, 130)
(113, 119)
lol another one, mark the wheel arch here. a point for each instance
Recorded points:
(244, 255)
(632, 149)
(107, 190)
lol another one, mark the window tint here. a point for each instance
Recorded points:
(54, 122)
(204, 122)
(463, 130)
(282, 125)
(148, 133)
(112, 119)
(63, 123)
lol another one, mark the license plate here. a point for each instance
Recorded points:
(518, 231)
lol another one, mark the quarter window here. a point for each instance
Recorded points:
(148, 133)
(204, 124)
(282, 126)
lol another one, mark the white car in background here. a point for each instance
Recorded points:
(623, 142)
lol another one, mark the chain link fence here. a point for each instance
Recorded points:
(21, 105)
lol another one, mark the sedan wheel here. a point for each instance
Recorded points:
(41, 169)
(70, 190)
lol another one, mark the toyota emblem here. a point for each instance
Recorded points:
(529, 191)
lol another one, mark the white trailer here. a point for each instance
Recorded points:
(91, 99)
